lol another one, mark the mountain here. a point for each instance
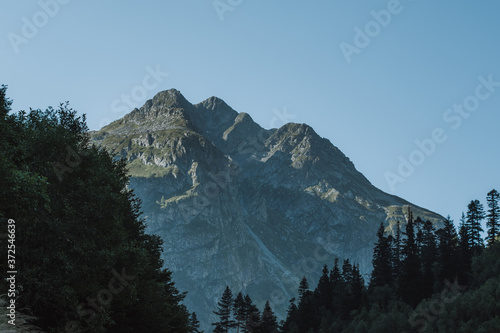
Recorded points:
(239, 205)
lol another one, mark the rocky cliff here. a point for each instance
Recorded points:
(244, 206)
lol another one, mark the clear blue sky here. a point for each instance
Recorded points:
(282, 61)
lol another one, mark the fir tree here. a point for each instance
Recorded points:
(303, 288)
(306, 311)
(475, 214)
(252, 320)
(447, 251)
(409, 284)
(194, 324)
(240, 312)
(347, 273)
(337, 286)
(464, 251)
(335, 273)
(382, 270)
(324, 290)
(418, 225)
(396, 252)
(358, 297)
(347, 278)
(269, 322)
(493, 216)
(428, 257)
(291, 320)
(224, 307)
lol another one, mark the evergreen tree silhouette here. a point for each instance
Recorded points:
(224, 310)
(493, 217)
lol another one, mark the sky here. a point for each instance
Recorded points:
(409, 90)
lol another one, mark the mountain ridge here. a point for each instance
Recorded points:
(257, 204)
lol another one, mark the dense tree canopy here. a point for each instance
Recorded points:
(423, 280)
(85, 259)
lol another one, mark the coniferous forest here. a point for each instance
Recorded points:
(423, 280)
(88, 266)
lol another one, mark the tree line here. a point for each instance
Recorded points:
(84, 262)
(415, 267)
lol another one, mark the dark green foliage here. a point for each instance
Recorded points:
(465, 252)
(493, 216)
(429, 256)
(85, 259)
(194, 324)
(475, 214)
(306, 306)
(396, 252)
(240, 311)
(337, 288)
(303, 289)
(427, 293)
(290, 324)
(324, 291)
(252, 320)
(410, 280)
(224, 310)
(447, 251)
(382, 267)
(358, 291)
(269, 322)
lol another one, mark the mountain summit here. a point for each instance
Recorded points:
(244, 206)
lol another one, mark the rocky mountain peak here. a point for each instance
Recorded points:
(215, 103)
(295, 131)
(243, 206)
(171, 98)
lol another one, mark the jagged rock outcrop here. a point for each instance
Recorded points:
(243, 206)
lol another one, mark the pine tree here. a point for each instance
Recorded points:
(464, 251)
(347, 278)
(324, 290)
(303, 288)
(358, 297)
(337, 286)
(418, 225)
(493, 222)
(447, 251)
(269, 322)
(240, 312)
(347, 273)
(428, 258)
(194, 324)
(306, 311)
(224, 307)
(291, 320)
(335, 273)
(252, 320)
(382, 270)
(475, 214)
(409, 284)
(396, 252)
